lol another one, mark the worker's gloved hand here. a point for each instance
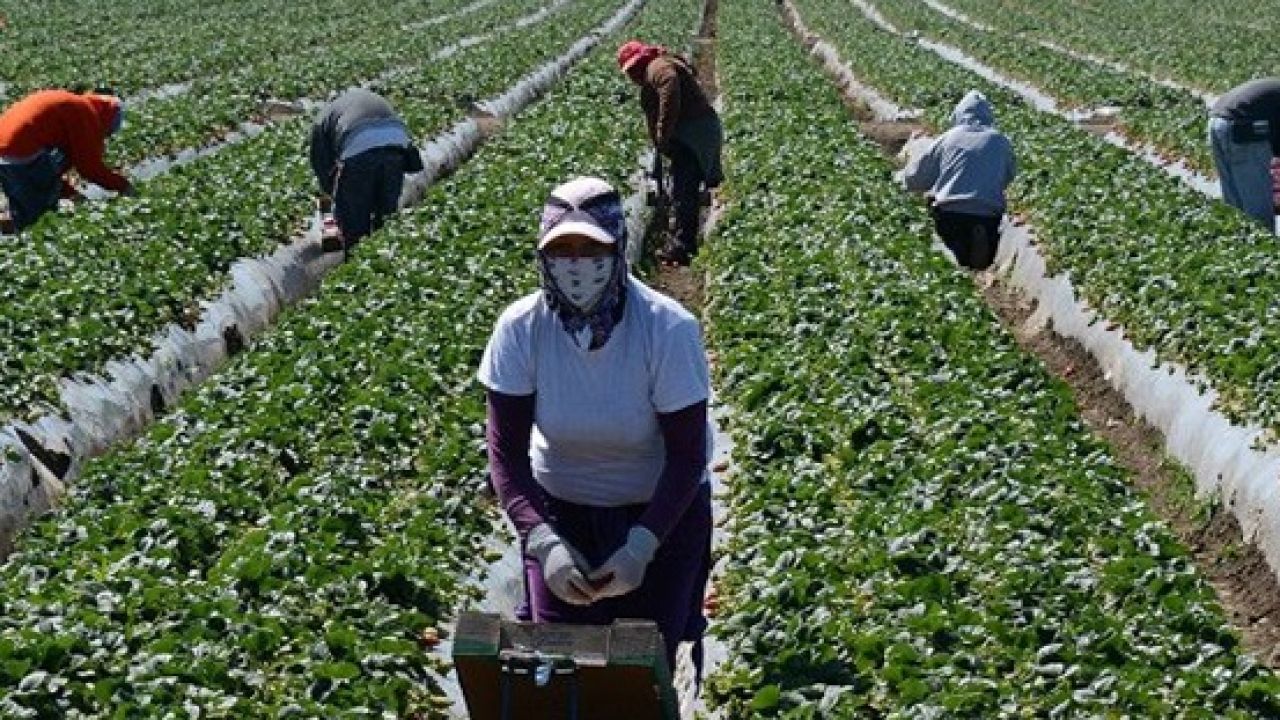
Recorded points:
(561, 566)
(624, 570)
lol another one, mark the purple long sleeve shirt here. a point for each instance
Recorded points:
(510, 424)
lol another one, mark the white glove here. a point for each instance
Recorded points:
(624, 570)
(561, 566)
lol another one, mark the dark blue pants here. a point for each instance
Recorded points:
(367, 190)
(686, 196)
(33, 188)
(674, 583)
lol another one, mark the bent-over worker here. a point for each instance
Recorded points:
(683, 127)
(47, 133)
(360, 153)
(1244, 134)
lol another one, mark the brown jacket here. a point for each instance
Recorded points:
(669, 95)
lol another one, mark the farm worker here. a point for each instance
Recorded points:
(964, 174)
(47, 133)
(597, 391)
(360, 152)
(683, 127)
(1244, 134)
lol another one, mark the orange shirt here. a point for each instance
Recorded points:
(76, 124)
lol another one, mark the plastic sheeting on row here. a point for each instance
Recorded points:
(440, 19)
(103, 410)
(882, 108)
(1207, 97)
(1225, 458)
(1044, 102)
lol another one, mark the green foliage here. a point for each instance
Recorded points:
(277, 545)
(920, 525)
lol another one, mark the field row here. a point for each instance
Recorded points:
(135, 46)
(1171, 120)
(1207, 45)
(279, 543)
(993, 561)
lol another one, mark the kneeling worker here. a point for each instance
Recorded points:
(964, 174)
(44, 135)
(360, 153)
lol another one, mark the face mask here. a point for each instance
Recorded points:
(582, 280)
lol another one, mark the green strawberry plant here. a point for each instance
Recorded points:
(96, 285)
(278, 544)
(920, 525)
(1183, 275)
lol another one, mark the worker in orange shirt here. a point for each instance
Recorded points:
(47, 133)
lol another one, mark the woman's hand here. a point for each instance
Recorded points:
(624, 570)
(561, 566)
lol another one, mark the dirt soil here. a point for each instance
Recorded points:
(1237, 570)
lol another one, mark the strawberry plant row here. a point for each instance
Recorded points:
(278, 545)
(1168, 119)
(921, 525)
(1209, 45)
(217, 104)
(94, 286)
(139, 45)
(1185, 276)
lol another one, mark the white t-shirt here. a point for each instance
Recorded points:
(596, 439)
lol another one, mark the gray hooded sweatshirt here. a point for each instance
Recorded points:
(968, 167)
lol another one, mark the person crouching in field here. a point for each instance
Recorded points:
(360, 153)
(597, 391)
(44, 135)
(964, 174)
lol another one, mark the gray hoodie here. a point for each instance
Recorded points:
(968, 167)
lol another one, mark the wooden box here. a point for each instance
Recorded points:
(615, 672)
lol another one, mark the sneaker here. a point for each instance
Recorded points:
(331, 236)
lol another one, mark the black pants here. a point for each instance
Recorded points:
(33, 188)
(686, 196)
(973, 239)
(367, 190)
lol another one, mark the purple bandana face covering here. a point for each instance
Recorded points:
(586, 293)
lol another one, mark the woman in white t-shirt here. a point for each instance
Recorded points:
(597, 430)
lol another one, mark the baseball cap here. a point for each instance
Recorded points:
(583, 206)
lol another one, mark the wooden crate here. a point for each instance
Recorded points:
(620, 670)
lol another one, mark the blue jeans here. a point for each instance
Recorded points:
(1244, 169)
(33, 187)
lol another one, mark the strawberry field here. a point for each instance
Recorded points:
(919, 523)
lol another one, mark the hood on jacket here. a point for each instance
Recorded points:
(973, 109)
(108, 110)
